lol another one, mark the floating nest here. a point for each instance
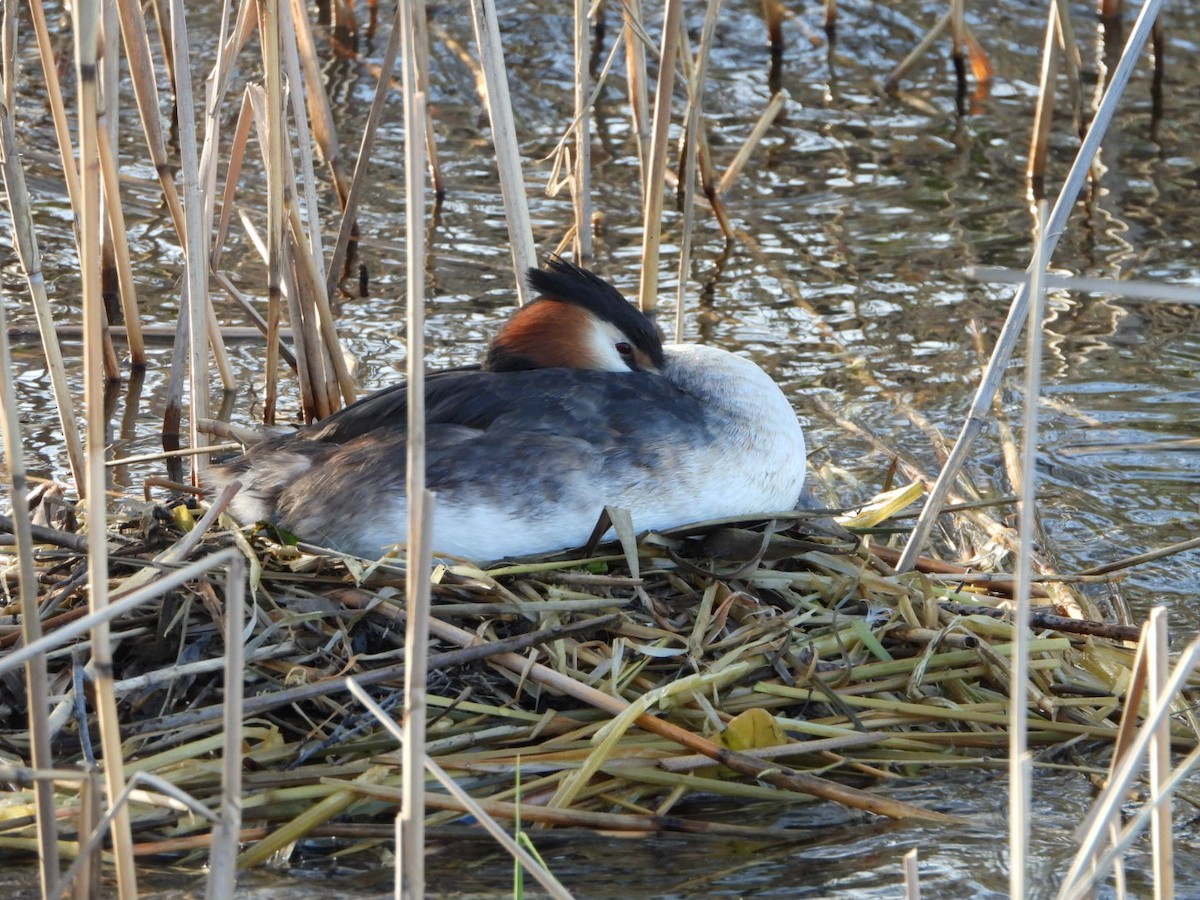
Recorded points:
(779, 660)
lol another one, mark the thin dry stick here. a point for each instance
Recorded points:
(304, 141)
(26, 244)
(358, 182)
(691, 129)
(1132, 288)
(581, 180)
(36, 678)
(504, 139)
(977, 416)
(734, 169)
(659, 141)
(87, 46)
(893, 80)
(1019, 791)
(222, 867)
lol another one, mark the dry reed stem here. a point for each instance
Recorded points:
(1055, 226)
(300, 42)
(272, 102)
(581, 179)
(115, 222)
(1158, 665)
(504, 140)
(54, 96)
(87, 46)
(892, 82)
(464, 800)
(635, 73)
(1020, 784)
(657, 167)
(301, 108)
(36, 678)
(421, 48)
(410, 878)
(26, 245)
(1039, 144)
(145, 94)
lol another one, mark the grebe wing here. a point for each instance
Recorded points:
(383, 408)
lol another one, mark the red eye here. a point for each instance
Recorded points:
(624, 349)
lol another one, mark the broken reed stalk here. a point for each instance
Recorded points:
(692, 118)
(1020, 784)
(358, 181)
(87, 48)
(504, 140)
(1006, 342)
(581, 179)
(656, 171)
(36, 677)
(26, 244)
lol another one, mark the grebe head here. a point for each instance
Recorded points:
(578, 321)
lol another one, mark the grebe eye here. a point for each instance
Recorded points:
(624, 348)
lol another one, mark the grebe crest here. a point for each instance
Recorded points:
(525, 452)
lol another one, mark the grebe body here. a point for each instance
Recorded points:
(523, 455)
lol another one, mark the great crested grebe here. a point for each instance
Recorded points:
(577, 406)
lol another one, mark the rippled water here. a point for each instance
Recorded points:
(858, 215)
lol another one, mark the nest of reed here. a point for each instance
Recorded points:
(759, 661)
